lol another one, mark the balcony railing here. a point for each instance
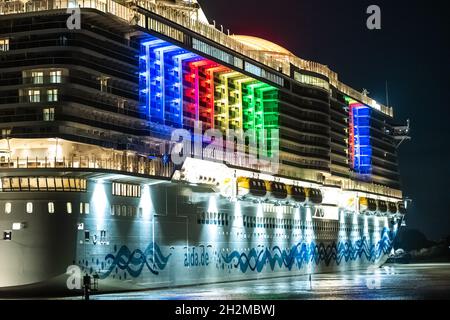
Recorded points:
(276, 62)
(157, 169)
(352, 184)
(132, 164)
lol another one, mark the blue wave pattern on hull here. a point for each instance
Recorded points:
(134, 262)
(304, 253)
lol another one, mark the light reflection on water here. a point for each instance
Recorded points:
(399, 282)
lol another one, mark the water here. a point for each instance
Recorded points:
(391, 282)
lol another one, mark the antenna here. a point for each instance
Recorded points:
(387, 94)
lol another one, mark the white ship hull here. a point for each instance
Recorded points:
(184, 235)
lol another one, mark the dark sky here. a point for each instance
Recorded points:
(411, 52)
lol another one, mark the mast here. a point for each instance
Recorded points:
(387, 94)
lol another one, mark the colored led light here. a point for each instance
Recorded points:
(178, 87)
(360, 148)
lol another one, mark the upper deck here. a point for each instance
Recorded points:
(133, 13)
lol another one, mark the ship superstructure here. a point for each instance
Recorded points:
(144, 146)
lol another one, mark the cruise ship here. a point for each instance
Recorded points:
(145, 147)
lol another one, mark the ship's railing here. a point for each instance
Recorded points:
(130, 164)
(106, 6)
(156, 168)
(276, 62)
(371, 188)
(241, 160)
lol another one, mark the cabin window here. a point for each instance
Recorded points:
(103, 236)
(55, 76)
(51, 207)
(4, 44)
(69, 207)
(8, 207)
(37, 77)
(42, 183)
(48, 114)
(29, 207)
(66, 184)
(126, 190)
(34, 95)
(33, 184)
(7, 235)
(52, 95)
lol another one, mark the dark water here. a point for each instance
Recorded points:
(391, 282)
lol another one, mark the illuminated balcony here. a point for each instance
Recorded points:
(48, 154)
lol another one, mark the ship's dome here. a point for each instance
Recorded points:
(259, 44)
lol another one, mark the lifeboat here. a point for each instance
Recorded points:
(276, 190)
(372, 203)
(392, 207)
(296, 194)
(382, 206)
(313, 195)
(402, 208)
(250, 188)
(367, 205)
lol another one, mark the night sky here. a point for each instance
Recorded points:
(411, 52)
